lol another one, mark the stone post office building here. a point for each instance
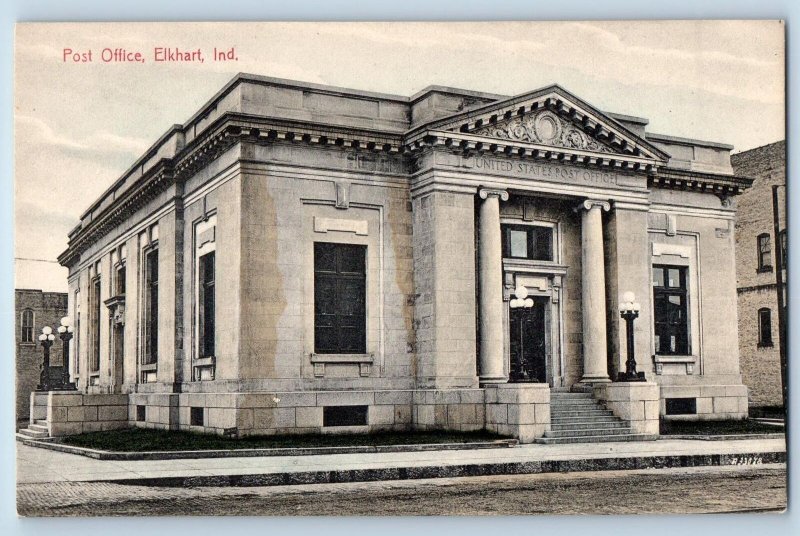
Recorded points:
(302, 258)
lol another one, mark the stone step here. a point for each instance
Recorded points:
(582, 425)
(581, 421)
(595, 439)
(581, 413)
(592, 432)
(38, 428)
(40, 421)
(576, 404)
(577, 407)
(33, 434)
(570, 396)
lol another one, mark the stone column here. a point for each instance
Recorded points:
(593, 292)
(490, 281)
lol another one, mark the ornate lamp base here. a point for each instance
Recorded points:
(631, 377)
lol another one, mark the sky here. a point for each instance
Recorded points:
(80, 125)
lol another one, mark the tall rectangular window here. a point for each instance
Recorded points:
(206, 304)
(764, 327)
(150, 307)
(533, 242)
(120, 281)
(764, 253)
(340, 321)
(94, 324)
(783, 250)
(27, 326)
(671, 312)
(77, 356)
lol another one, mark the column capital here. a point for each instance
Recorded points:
(485, 193)
(589, 204)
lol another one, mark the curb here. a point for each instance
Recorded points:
(250, 453)
(464, 470)
(723, 437)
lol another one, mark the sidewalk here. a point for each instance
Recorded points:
(36, 465)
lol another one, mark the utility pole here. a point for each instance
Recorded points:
(781, 300)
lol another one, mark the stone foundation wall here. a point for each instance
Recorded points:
(70, 413)
(160, 410)
(449, 409)
(517, 410)
(520, 410)
(714, 402)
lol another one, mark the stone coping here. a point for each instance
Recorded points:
(335, 476)
(250, 453)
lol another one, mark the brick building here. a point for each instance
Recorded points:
(34, 309)
(303, 258)
(756, 284)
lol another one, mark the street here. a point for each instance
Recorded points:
(692, 490)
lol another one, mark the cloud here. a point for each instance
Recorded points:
(100, 141)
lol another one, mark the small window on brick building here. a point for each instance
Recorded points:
(27, 326)
(764, 253)
(764, 327)
(782, 244)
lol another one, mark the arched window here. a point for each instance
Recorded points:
(764, 327)
(764, 252)
(27, 325)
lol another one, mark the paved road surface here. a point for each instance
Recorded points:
(696, 490)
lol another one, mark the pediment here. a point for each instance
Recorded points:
(543, 127)
(550, 117)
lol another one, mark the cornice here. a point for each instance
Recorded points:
(233, 127)
(481, 145)
(229, 129)
(723, 186)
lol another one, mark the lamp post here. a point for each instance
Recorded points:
(65, 333)
(629, 310)
(46, 338)
(521, 298)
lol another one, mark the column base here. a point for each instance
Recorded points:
(490, 380)
(595, 379)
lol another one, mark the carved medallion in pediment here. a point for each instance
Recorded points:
(545, 128)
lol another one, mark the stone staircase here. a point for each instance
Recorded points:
(579, 418)
(37, 429)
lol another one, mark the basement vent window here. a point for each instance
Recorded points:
(344, 416)
(681, 406)
(141, 413)
(196, 416)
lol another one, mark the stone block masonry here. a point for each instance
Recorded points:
(635, 402)
(521, 411)
(70, 413)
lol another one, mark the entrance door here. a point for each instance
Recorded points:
(527, 344)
